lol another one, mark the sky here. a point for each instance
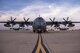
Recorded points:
(46, 8)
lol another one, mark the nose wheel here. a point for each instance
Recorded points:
(39, 31)
(34, 31)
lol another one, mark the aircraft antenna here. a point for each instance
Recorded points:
(39, 15)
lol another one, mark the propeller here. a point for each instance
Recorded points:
(67, 21)
(12, 21)
(26, 21)
(52, 21)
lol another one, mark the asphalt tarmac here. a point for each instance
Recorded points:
(25, 41)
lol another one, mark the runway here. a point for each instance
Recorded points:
(25, 41)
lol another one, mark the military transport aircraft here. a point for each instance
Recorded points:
(39, 24)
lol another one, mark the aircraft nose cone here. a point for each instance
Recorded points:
(40, 26)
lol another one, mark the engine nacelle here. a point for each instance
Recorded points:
(7, 25)
(13, 23)
(71, 25)
(21, 25)
(56, 25)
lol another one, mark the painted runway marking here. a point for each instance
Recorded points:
(40, 47)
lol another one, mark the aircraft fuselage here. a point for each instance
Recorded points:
(39, 24)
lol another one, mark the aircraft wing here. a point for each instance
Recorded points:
(53, 23)
(75, 22)
(57, 23)
(3, 22)
(24, 22)
(68, 22)
(18, 22)
(13, 22)
(21, 23)
(48, 23)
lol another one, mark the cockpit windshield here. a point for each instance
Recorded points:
(39, 19)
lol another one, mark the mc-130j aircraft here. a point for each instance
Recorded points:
(39, 24)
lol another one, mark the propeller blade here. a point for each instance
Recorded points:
(11, 18)
(24, 19)
(64, 19)
(27, 19)
(51, 19)
(67, 18)
(14, 19)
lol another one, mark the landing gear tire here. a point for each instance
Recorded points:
(44, 31)
(33, 30)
